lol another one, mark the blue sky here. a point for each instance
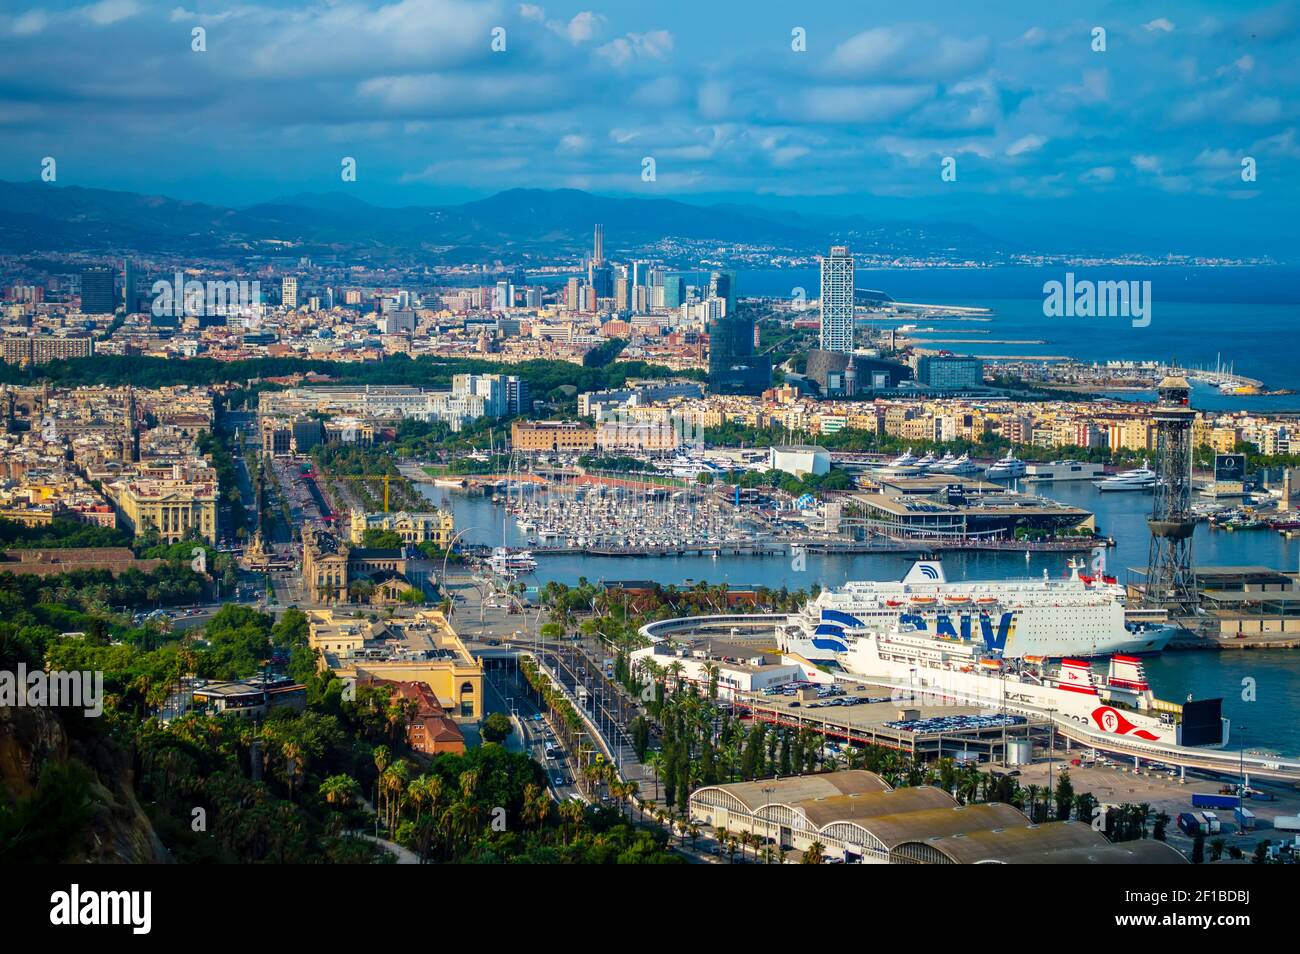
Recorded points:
(1048, 134)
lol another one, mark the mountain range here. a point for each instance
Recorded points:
(523, 224)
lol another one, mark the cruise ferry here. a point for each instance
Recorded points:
(1076, 616)
(1141, 479)
(918, 664)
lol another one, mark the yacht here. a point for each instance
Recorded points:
(905, 465)
(1010, 467)
(926, 462)
(963, 466)
(507, 563)
(1141, 479)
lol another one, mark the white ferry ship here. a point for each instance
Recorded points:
(1076, 616)
(919, 664)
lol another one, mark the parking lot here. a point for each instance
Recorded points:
(1116, 783)
(869, 714)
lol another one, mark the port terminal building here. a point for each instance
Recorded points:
(920, 507)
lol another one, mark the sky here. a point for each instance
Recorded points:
(1049, 133)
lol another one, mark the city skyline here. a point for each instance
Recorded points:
(810, 111)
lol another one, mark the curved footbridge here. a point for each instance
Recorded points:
(1222, 761)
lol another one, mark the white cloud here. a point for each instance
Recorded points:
(1025, 144)
(1161, 24)
(108, 12)
(655, 45)
(909, 52)
(583, 27)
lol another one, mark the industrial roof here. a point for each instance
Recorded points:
(893, 830)
(1146, 852)
(868, 808)
(1014, 845)
(789, 791)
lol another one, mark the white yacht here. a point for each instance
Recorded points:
(1007, 468)
(905, 465)
(963, 466)
(1141, 479)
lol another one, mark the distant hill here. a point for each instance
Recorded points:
(39, 217)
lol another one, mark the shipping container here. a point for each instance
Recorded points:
(1245, 818)
(1287, 823)
(1214, 800)
(1189, 823)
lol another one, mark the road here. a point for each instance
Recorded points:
(506, 692)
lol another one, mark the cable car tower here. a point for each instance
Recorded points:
(1171, 580)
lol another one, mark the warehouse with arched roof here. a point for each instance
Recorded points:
(858, 816)
(1053, 843)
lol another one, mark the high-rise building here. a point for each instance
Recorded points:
(602, 280)
(674, 291)
(98, 296)
(723, 285)
(289, 291)
(734, 368)
(130, 287)
(598, 246)
(837, 300)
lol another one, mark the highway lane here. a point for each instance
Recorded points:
(508, 691)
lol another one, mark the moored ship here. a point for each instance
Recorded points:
(919, 664)
(1054, 618)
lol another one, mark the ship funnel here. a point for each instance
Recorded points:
(925, 571)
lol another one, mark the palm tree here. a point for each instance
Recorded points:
(339, 790)
(572, 812)
(383, 758)
(814, 853)
(537, 805)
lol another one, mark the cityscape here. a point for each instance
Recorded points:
(854, 439)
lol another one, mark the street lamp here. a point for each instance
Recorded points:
(450, 544)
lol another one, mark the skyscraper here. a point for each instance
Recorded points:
(98, 296)
(734, 368)
(289, 292)
(130, 287)
(723, 285)
(674, 291)
(837, 300)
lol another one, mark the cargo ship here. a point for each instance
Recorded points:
(1078, 616)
